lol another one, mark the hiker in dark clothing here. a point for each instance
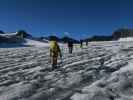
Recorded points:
(70, 46)
(81, 43)
(86, 43)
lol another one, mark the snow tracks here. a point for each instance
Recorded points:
(25, 73)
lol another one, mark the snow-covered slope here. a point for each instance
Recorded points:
(101, 71)
(8, 34)
(31, 42)
(126, 39)
(15, 40)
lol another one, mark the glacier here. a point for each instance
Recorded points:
(99, 71)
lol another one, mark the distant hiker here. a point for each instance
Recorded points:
(81, 43)
(70, 46)
(54, 53)
(86, 43)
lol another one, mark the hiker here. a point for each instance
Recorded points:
(86, 43)
(70, 46)
(54, 53)
(81, 43)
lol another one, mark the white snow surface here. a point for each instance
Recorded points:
(9, 34)
(126, 39)
(26, 42)
(99, 71)
(31, 42)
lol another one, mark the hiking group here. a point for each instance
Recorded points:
(55, 51)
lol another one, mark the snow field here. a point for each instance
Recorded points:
(101, 71)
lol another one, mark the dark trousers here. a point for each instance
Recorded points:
(70, 50)
(54, 62)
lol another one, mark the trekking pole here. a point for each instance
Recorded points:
(61, 58)
(61, 63)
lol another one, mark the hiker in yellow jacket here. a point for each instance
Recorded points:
(54, 53)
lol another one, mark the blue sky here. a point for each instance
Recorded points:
(77, 18)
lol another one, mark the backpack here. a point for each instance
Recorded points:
(54, 48)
